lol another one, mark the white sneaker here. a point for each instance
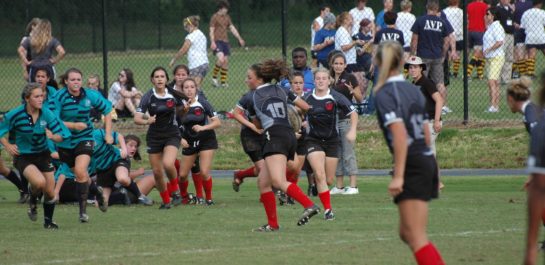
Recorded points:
(446, 110)
(351, 191)
(215, 82)
(492, 109)
(336, 190)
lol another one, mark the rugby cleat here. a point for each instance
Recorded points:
(329, 215)
(51, 226)
(83, 218)
(265, 228)
(144, 200)
(307, 214)
(236, 182)
(33, 212)
(165, 206)
(176, 198)
(23, 198)
(209, 202)
(102, 203)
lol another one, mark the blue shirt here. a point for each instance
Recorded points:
(77, 109)
(308, 77)
(104, 155)
(380, 20)
(431, 31)
(322, 35)
(29, 135)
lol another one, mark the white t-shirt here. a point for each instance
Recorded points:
(533, 21)
(114, 94)
(404, 22)
(358, 15)
(455, 16)
(493, 34)
(196, 56)
(320, 22)
(342, 37)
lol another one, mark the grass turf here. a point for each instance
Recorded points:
(477, 220)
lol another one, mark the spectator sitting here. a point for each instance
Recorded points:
(124, 95)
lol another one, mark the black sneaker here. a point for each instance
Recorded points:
(51, 226)
(209, 202)
(33, 212)
(282, 197)
(175, 198)
(289, 200)
(83, 218)
(199, 201)
(165, 206)
(102, 204)
(329, 215)
(236, 182)
(307, 214)
(265, 228)
(23, 198)
(143, 199)
(126, 198)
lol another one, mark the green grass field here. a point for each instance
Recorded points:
(141, 62)
(477, 220)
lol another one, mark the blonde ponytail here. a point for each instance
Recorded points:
(389, 57)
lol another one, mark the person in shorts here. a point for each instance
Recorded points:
(520, 56)
(219, 42)
(476, 11)
(493, 51)
(533, 23)
(29, 126)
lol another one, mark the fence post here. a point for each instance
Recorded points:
(159, 33)
(284, 31)
(60, 5)
(124, 25)
(464, 68)
(104, 49)
(27, 10)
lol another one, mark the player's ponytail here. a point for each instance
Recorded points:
(270, 70)
(389, 57)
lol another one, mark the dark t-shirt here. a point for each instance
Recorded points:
(531, 116)
(340, 85)
(520, 8)
(269, 105)
(505, 16)
(198, 114)
(42, 58)
(322, 116)
(428, 88)
(431, 31)
(386, 34)
(164, 107)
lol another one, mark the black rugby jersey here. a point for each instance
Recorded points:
(269, 104)
(197, 114)
(536, 157)
(245, 103)
(401, 101)
(531, 115)
(164, 108)
(322, 115)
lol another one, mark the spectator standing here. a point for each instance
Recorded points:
(533, 23)
(41, 46)
(359, 13)
(317, 24)
(404, 22)
(299, 61)
(520, 55)
(476, 11)
(505, 12)
(388, 6)
(29, 27)
(493, 51)
(455, 17)
(219, 42)
(324, 41)
(430, 41)
(195, 47)
(345, 43)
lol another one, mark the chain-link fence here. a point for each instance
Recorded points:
(104, 36)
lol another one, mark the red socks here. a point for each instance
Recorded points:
(325, 198)
(245, 173)
(177, 166)
(165, 195)
(292, 176)
(269, 202)
(183, 188)
(297, 194)
(207, 184)
(172, 185)
(428, 255)
(198, 182)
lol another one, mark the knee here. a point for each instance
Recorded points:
(81, 174)
(124, 181)
(39, 185)
(157, 173)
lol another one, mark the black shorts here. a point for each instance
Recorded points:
(41, 160)
(198, 145)
(301, 146)
(106, 178)
(196, 168)
(520, 36)
(279, 140)
(536, 46)
(475, 39)
(459, 45)
(67, 193)
(223, 47)
(329, 147)
(252, 144)
(157, 144)
(68, 156)
(421, 179)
